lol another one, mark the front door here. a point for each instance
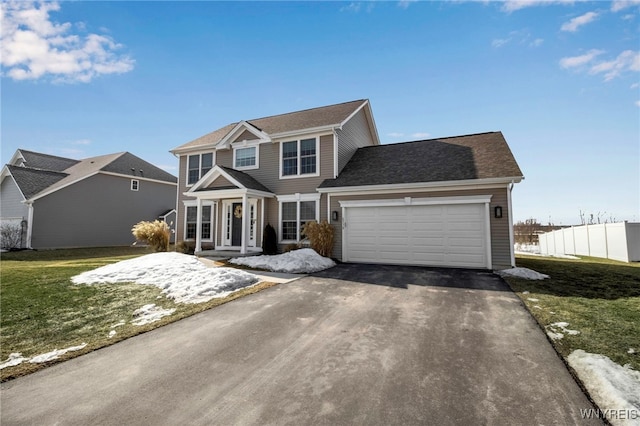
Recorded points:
(236, 224)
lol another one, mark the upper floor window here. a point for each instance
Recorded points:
(198, 166)
(300, 157)
(245, 158)
(135, 184)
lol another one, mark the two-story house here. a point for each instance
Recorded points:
(443, 202)
(57, 202)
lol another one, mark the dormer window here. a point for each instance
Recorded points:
(299, 158)
(245, 157)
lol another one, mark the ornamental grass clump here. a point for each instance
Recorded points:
(156, 234)
(320, 236)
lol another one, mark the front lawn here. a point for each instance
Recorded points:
(41, 310)
(598, 298)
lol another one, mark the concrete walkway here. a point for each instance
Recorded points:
(356, 345)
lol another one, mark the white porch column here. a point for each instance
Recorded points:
(199, 227)
(245, 213)
(29, 225)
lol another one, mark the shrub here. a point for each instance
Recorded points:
(269, 240)
(186, 247)
(320, 236)
(10, 236)
(156, 234)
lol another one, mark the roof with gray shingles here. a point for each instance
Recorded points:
(298, 120)
(477, 156)
(31, 181)
(37, 160)
(246, 180)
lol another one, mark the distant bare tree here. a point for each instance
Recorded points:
(600, 217)
(527, 232)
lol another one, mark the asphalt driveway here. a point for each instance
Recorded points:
(357, 344)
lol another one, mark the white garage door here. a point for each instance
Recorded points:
(453, 235)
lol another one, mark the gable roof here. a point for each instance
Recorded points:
(245, 180)
(38, 182)
(31, 181)
(313, 118)
(37, 160)
(469, 157)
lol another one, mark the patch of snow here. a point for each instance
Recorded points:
(526, 248)
(15, 358)
(631, 351)
(112, 333)
(538, 254)
(612, 387)
(525, 292)
(181, 277)
(537, 307)
(294, 262)
(150, 313)
(557, 330)
(533, 299)
(55, 354)
(119, 324)
(527, 273)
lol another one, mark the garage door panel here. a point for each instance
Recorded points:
(430, 235)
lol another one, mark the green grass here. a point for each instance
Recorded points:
(41, 310)
(600, 298)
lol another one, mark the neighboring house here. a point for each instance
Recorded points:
(60, 202)
(439, 202)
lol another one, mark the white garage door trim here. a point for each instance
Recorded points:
(409, 201)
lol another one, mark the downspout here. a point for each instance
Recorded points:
(511, 237)
(29, 224)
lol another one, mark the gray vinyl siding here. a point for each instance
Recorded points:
(97, 212)
(353, 135)
(500, 242)
(11, 200)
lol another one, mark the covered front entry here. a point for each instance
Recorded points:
(240, 212)
(447, 231)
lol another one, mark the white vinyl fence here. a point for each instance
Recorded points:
(617, 241)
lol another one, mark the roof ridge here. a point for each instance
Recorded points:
(47, 155)
(36, 169)
(434, 139)
(302, 110)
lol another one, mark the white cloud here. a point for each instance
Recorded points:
(499, 42)
(577, 61)
(395, 135)
(625, 61)
(405, 3)
(513, 5)
(420, 135)
(634, 86)
(577, 22)
(351, 7)
(537, 42)
(619, 5)
(82, 142)
(34, 46)
(638, 103)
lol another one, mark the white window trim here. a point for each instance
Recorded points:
(194, 203)
(243, 145)
(298, 175)
(297, 198)
(135, 185)
(228, 204)
(199, 154)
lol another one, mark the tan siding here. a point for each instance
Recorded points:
(500, 244)
(224, 158)
(221, 182)
(354, 134)
(245, 136)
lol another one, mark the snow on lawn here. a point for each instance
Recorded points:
(296, 261)
(150, 313)
(17, 358)
(527, 273)
(181, 277)
(611, 386)
(557, 330)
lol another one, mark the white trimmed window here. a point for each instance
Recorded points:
(135, 184)
(299, 158)
(245, 157)
(197, 166)
(296, 210)
(191, 223)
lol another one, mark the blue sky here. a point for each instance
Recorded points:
(560, 79)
